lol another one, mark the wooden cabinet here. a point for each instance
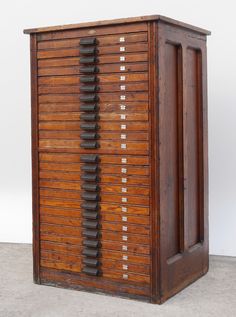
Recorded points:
(119, 156)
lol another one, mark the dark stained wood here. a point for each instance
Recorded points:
(35, 159)
(153, 173)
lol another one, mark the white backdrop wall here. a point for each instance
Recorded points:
(15, 165)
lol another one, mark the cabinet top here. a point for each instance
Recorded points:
(118, 21)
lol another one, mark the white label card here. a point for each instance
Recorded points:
(122, 78)
(123, 127)
(123, 97)
(124, 190)
(122, 68)
(122, 49)
(124, 248)
(124, 228)
(124, 209)
(125, 276)
(125, 257)
(123, 146)
(122, 58)
(122, 87)
(124, 218)
(122, 107)
(124, 238)
(124, 199)
(123, 160)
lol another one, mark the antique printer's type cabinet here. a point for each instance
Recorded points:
(119, 155)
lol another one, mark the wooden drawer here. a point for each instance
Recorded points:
(103, 116)
(103, 78)
(104, 159)
(115, 209)
(117, 179)
(73, 244)
(44, 134)
(103, 69)
(110, 188)
(103, 41)
(138, 106)
(103, 88)
(141, 96)
(113, 49)
(51, 215)
(104, 59)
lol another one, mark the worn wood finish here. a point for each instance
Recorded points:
(152, 169)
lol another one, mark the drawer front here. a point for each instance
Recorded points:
(94, 155)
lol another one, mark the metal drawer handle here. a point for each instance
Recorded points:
(89, 126)
(91, 243)
(90, 187)
(88, 50)
(89, 88)
(89, 107)
(90, 168)
(89, 69)
(88, 60)
(90, 206)
(90, 234)
(89, 98)
(90, 196)
(90, 215)
(90, 224)
(90, 262)
(90, 177)
(90, 271)
(88, 41)
(89, 116)
(89, 145)
(90, 252)
(88, 79)
(89, 158)
(89, 136)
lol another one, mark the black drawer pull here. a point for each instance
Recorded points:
(88, 60)
(89, 88)
(91, 243)
(88, 41)
(90, 187)
(89, 69)
(90, 252)
(88, 79)
(90, 168)
(89, 145)
(89, 136)
(90, 215)
(89, 117)
(90, 234)
(89, 158)
(90, 271)
(89, 126)
(90, 262)
(89, 107)
(89, 98)
(90, 196)
(90, 224)
(90, 177)
(88, 50)
(90, 206)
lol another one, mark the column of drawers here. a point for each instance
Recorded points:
(124, 222)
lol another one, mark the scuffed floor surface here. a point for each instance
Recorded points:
(212, 295)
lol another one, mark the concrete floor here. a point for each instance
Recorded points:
(212, 295)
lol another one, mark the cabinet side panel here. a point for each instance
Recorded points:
(170, 166)
(35, 164)
(183, 158)
(193, 151)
